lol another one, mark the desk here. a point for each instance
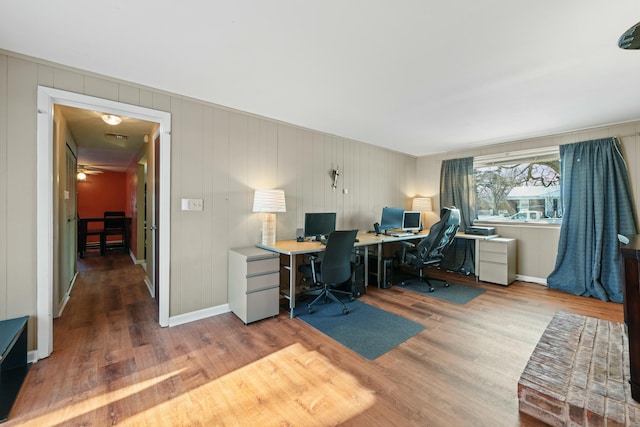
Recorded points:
(83, 232)
(384, 238)
(293, 249)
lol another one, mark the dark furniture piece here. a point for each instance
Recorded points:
(115, 224)
(334, 269)
(84, 232)
(13, 362)
(631, 298)
(430, 250)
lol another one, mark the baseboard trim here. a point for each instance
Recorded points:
(149, 286)
(67, 296)
(134, 259)
(62, 305)
(181, 319)
(537, 280)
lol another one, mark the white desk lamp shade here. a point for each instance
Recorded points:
(269, 202)
(422, 204)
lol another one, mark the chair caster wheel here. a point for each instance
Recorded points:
(351, 298)
(446, 284)
(310, 310)
(432, 289)
(345, 311)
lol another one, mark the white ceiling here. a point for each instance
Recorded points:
(417, 76)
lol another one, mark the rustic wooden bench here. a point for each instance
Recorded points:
(13, 362)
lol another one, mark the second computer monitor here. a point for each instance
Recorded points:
(319, 224)
(411, 221)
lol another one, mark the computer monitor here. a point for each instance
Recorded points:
(319, 224)
(391, 219)
(411, 221)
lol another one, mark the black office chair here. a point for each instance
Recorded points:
(334, 269)
(115, 225)
(430, 250)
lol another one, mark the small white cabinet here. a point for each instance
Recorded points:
(498, 260)
(254, 283)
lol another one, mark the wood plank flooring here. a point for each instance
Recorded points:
(113, 365)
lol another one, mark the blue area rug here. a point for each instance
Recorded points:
(455, 293)
(367, 330)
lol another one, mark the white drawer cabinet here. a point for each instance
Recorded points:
(254, 283)
(498, 260)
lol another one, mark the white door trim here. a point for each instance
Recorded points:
(47, 97)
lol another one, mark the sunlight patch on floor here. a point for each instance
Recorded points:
(69, 411)
(293, 386)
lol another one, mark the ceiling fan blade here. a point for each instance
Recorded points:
(631, 38)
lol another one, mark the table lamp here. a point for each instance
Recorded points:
(422, 204)
(269, 202)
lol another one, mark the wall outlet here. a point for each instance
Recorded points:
(192, 204)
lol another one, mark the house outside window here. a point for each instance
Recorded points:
(521, 186)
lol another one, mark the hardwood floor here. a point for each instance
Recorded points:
(113, 364)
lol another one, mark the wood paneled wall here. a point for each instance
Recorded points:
(222, 156)
(218, 154)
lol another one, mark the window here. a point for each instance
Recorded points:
(522, 186)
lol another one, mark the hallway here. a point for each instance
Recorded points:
(109, 322)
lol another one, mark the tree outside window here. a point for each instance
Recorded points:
(522, 191)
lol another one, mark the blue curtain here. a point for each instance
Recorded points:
(457, 188)
(597, 206)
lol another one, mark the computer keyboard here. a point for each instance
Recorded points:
(402, 234)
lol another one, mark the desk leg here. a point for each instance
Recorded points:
(292, 284)
(366, 266)
(476, 259)
(379, 264)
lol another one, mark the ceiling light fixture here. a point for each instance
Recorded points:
(631, 38)
(111, 119)
(81, 176)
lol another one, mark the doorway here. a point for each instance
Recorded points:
(47, 97)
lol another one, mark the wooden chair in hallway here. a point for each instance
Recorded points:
(115, 224)
(84, 231)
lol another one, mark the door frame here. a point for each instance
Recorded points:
(47, 97)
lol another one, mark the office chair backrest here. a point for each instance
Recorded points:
(441, 234)
(336, 263)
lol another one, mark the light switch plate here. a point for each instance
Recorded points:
(192, 204)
